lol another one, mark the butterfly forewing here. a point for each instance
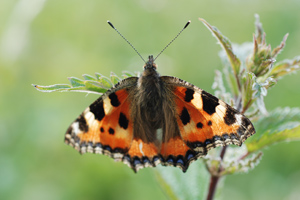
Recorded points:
(205, 121)
(105, 127)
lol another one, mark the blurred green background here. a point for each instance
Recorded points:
(44, 42)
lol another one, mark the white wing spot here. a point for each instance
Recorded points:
(141, 148)
(75, 127)
(107, 105)
(197, 100)
(238, 118)
(89, 117)
(221, 110)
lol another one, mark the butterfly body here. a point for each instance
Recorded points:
(151, 119)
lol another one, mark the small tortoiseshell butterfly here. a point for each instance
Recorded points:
(151, 119)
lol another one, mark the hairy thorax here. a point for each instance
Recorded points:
(153, 108)
(149, 99)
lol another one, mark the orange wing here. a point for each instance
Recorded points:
(204, 121)
(105, 127)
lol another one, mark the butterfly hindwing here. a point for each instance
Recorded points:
(205, 121)
(142, 154)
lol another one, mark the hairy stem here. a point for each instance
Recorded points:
(214, 179)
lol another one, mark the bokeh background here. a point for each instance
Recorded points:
(45, 41)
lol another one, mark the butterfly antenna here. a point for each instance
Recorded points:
(125, 39)
(186, 25)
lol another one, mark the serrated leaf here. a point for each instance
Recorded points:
(98, 85)
(186, 186)
(226, 44)
(261, 105)
(95, 86)
(114, 78)
(259, 31)
(231, 79)
(98, 76)
(248, 81)
(278, 49)
(285, 67)
(282, 124)
(105, 82)
(89, 77)
(76, 82)
(52, 88)
(61, 88)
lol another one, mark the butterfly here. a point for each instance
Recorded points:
(149, 120)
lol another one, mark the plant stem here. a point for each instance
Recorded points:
(212, 187)
(214, 179)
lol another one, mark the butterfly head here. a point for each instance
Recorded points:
(150, 65)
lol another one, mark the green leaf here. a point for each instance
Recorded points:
(105, 82)
(89, 77)
(259, 31)
(62, 88)
(99, 84)
(94, 86)
(282, 124)
(52, 88)
(226, 44)
(248, 81)
(278, 49)
(76, 82)
(231, 79)
(114, 78)
(285, 67)
(186, 186)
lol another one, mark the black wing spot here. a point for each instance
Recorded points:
(102, 129)
(229, 117)
(209, 123)
(199, 125)
(111, 131)
(97, 109)
(82, 123)
(189, 95)
(210, 102)
(114, 99)
(123, 121)
(185, 116)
